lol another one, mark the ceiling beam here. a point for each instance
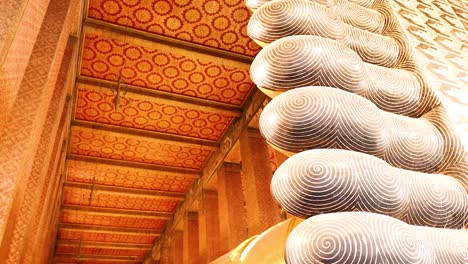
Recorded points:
(116, 212)
(116, 232)
(256, 101)
(89, 244)
(105, 188)
(209, 104)
(109, 228)
(138, 165)
(135, 33)
(98, 257)
(208, 144)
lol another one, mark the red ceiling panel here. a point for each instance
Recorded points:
(146, 112)
(111, 145)
(215, 23)
(82, 196)
(113, 220)
(176, 72)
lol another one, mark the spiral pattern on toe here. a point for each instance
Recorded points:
(372, 48)
(284, 18)
(415, 144)
(352, 238)
(348, 82)
(322, 117)
(319, 117)
(360, 17)
(388, 86)
(299, 61)
(328, 180)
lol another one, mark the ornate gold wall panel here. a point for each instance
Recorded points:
(437, 29)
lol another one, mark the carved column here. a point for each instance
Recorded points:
(232, 214)
(177, 247)
(21, 133)
(209, 227)
(191, 248)
(37, 227)
(21, 21)
(262, 211)
(165, 251)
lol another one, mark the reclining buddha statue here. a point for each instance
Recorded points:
(376, 172)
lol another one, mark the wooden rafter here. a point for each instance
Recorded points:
(256, 101)
(89, 244)
(106, 231)
(211, 145)
(109, 229)
(99, 257)
(117, 212)
(188, 172)
(130, 32)
(215, 106)
(143, 192)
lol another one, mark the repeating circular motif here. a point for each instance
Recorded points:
(142, 66)
(154, 78)
(111, 7)
(185, 36)
(187, 65)
(203, 19)
(221, 82)
(232, 3)
(116, 60)
(88, 54)
(180, 84)
(131, 3)
(100, 66)
(116, 116)
(182, 3)
(115, 146)
(192, 15)
(202, 30)
(221, 23)
(162, 7)
(126, 21)
(240, 15)
(211, 7)
(132, 53)
(143, 15)
(95, 12)
(229, 37)
(103, 46)
(79, 196)
(173, 23)
(171, 72)
(186, 128)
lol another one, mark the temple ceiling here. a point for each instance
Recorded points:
(160, 86)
